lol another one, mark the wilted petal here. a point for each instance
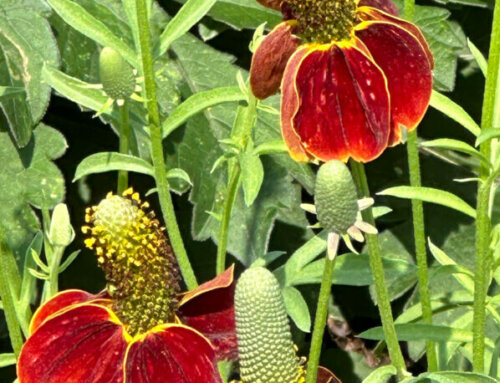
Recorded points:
(404, 62)
(344, 104)
(385, 5)
(61, 301)
(270, 58)
(83, 344)
(171, 353)
(326, 376)
(210, 310)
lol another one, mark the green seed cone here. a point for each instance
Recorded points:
(335, 197)
(117, 76)
(266, 349)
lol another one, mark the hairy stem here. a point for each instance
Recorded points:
(374, 253)
(483, 221)
(157, 154)
(124, 145)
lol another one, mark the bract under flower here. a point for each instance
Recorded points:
(349, 97)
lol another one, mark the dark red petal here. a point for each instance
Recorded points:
(326, 376)
(344, 104)
(173, 354)
(210, 310)
(404, 62)
(290, 104)
(59, 302)
(83, 344)
(367, 13)
(273, 4)
(270, 58)
(385, 5)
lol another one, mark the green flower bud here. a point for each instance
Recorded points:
(266, 349)
(335, 197)
(117, 76)
(61, 232)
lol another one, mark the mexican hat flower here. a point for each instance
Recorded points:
(140, 329)
(353, 75)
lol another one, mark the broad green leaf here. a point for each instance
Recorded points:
(381, 374)
(190, 13)
(7, 360)
(487, 134)
(252, 175)
(431, 195)
(478, 56)
(454, 377)
(10, 91)
(29, 177)
(241, 14)
(199, 102)
(84, 22)
(111, 161)
(27, 43)
(457, 145)
(296, 307)
(455, 112)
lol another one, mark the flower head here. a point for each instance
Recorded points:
(141, 329)
(353, 75)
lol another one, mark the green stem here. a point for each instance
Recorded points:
(232, 191)
(54, 272)
(420, 248)
(374, 253)
(409, 9)
(124, 145)
(9, 307)
(320, 321)
(157, 155)
(483, 222)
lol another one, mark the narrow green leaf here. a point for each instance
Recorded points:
(76, 16)
(455, 377)
(381, 374)
(7, 360)
(28, 284)
(479, 57)
(296, 307)
(426, 194)
(457, 145)
(252, 175)
(10, 91)
(179, 174)
(68, 261)
(454, 111)
(487, 134)
(110, 161)
(199, 102)
(189, 14)
(271, 147)
(305, 254)
(39, 275)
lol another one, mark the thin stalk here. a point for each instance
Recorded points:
(124, 145)
(157, 154)
(483, 221)
(54, 272)
(320, 320)
(232, 191)
(6, 295)
(374, 253)
(420, 247)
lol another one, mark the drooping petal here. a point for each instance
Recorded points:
(326, 376)
(404, 62)
(210, 310)
(342, 106)
(367, 13)
(385, 5)
(85, 343)
(270, 58)
(61, 301)
(173, 354)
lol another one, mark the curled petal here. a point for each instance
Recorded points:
(326, 376)
(85, 343)
(385, 5)
(373, 14)
(342, 104)
(404, 62)
(61, 301)
(171, 353)
(270, 58)
(210, 310)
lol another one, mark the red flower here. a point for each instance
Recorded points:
(352, 75)
(77, 338)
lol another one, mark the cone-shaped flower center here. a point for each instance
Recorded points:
(137, 261)
(324, 21)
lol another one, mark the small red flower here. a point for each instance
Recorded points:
(352, 74)
(77, 338)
